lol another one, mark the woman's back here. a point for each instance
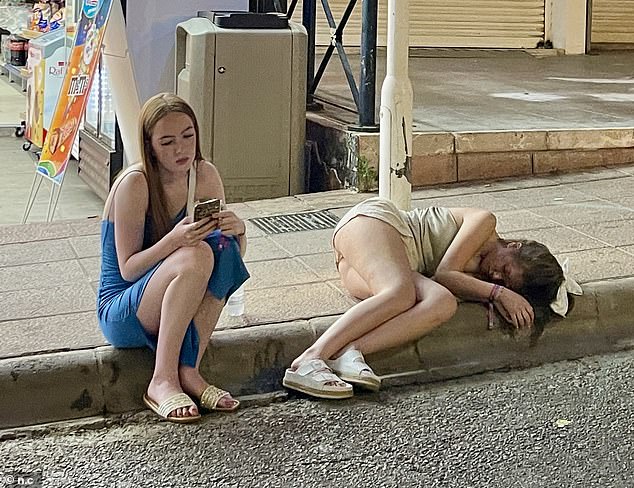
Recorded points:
(434, 229)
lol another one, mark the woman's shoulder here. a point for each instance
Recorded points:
(134, 178)
(206, 169)
(130, 187)
(209, 178)
(134, 171)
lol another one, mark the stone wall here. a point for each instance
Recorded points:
(446, 157)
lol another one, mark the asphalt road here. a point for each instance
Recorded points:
(568, 424)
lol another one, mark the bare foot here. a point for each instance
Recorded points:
(161, 389)
(194, 385)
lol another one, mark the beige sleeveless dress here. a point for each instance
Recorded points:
(426, 232)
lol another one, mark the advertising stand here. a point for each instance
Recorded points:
(71, 102)
(46, 67)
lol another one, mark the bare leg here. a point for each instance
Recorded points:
(376, 252)
(169, 302)
(206, 319)
(435, 306)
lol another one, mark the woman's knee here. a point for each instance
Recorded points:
(401, 294)
(445, 305)
(194, 260)
(440, 302)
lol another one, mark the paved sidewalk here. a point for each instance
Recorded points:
(495, 90)
(55, 365)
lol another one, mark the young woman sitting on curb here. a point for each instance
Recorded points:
(164, 278)
(406, 268)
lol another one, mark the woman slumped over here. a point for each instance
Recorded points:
(408, 268)
(164, 278)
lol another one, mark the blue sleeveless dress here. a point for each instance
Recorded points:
(118, 300)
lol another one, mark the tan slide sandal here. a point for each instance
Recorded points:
(212, 395)
(167, 406)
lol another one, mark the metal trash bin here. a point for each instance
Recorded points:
(245, 76)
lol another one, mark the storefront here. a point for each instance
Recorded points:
(612, 22)
(510, 24)
(451, 23)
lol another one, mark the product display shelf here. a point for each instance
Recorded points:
(30, 34)
(16, 74)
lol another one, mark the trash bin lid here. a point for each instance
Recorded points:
(246, 20)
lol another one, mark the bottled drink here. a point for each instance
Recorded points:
(235, 303)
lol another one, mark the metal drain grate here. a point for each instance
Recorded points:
(280, 224)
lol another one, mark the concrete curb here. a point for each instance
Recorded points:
(83, 383)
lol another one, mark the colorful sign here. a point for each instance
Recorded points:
(46, 67)
(73, 96)
(35, 97)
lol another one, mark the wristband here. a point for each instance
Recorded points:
(495, 291)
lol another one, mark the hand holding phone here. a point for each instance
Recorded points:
(206, 208)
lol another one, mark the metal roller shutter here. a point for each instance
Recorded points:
(450, 23)
(352, 31)
(613, 21)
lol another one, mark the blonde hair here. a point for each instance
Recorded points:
(154, 110)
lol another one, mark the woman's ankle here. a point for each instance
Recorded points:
(192, 381)
(306, 356)
(162, 386)
(161, 379)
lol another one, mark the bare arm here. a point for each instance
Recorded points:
(476, 228)
(130, 207)
(211, 186)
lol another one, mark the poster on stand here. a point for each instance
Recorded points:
(46, 65)
(73, 96)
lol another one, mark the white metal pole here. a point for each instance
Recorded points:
(396, 111)
(122, 81)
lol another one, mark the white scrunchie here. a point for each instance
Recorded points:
(560, 304)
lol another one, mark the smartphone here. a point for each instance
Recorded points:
(206, 208)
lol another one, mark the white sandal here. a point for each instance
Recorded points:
(351, 367)
(315, 378)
